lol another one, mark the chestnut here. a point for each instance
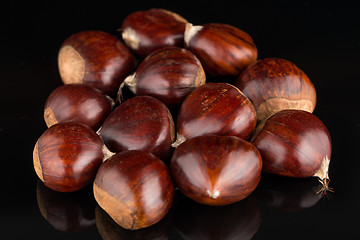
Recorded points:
(97, 59)
(216, 170)
(274, 84)
(140, 123)
(168, 74)
(146, 31)
(215, 108)
(77, 103)
(295, 143)
(223, 50)
(66, 212)
(67, 156)
(134, 188)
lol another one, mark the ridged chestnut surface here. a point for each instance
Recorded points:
(223, 50)
(134, 188)
(274, 84)
(140, 123)
(216, 170)
(95, 58)
(168, 74)
(77, 103)
(149, 30)
(295, 143)
(215, 108)
(67, 156)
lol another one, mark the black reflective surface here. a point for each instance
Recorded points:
(321, 39)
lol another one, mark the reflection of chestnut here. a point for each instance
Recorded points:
(95, 58)
(110, 230)
(195, 221)
(77, 103)
(274, 84)
(134, 188)
(288, 194)
(67, 212)
(149, 30)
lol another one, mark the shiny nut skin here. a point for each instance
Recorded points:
(216, 108)
(134, 188)
(67, 156)
(149, 30)
(293, 143)
(77, 103)
(216, 170)
(95, 58)
(274, 84)
(169, 74)
(140, 123)
(223, 50)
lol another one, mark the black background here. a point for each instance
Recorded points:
(321, 39)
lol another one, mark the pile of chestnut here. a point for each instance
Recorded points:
(235, 117)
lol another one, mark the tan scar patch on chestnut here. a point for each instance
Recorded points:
(36, 160)
(71, 65)
(49, 117)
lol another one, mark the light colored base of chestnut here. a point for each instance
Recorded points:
(274, 105)
(36, 161)
(71, 65)
(131, 39)
(190, 32)
(130, 82)
(49, 117)
(117, 210)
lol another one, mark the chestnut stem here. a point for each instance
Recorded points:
(323, 175)
(179, 140)
(107, 153)
(128, 82)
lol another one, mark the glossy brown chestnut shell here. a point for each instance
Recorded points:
(134, 188)
(97, 59)
(295, 143)
(274, 84)
(67, 156)
(168, 74)
(149, 30)
(223, 50)
(216, 170)
(77, 103)
(140, 123)
(215, 108)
